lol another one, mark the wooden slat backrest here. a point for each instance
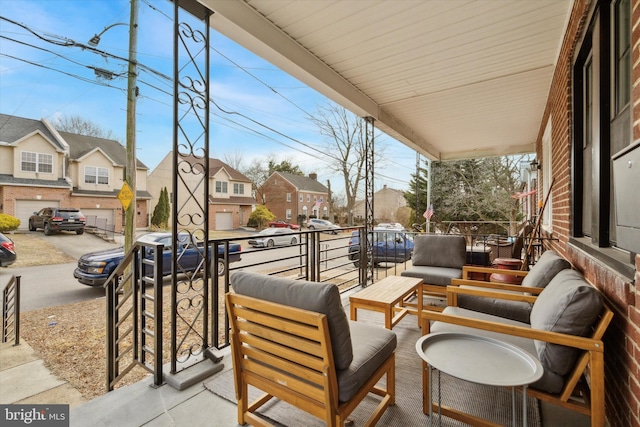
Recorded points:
(284, 351)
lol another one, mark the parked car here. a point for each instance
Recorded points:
(57, 219)
(95, 268)
(270, 237)
(322, 224)
(283, 224)
(388, 246)
(7, 251)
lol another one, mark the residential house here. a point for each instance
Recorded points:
(231, 199)
(42, 167)
(295, 198)
(386, 203)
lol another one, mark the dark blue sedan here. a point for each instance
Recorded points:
(389, 245)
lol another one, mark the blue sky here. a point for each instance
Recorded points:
(41, 77)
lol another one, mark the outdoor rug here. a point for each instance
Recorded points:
(491, 403)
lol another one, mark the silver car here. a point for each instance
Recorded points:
(322, 224)
(270, 237)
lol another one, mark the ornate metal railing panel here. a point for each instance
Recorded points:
(190, 207)
(11, 310)
(368, 198)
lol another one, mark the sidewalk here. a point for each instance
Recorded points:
(25, 380)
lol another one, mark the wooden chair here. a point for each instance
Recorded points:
(571, 391)
(300, 356)
(437, 259)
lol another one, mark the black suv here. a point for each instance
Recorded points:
(57, 219)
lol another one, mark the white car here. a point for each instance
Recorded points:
(321, 224)
(270, 237)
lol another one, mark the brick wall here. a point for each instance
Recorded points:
(622, 349)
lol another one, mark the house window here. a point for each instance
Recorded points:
(288, 197)
(325, 212)
(308, 197)
(36, 162)
(238, 188)
(301, 197)
(221, 187)
(315, 198)
(96, 175)
(601, 121)
(288, 214)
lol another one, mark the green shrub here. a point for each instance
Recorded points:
(8, 223)
(260, 216)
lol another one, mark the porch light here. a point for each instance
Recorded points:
(535, 165)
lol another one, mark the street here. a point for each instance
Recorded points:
(52, 285)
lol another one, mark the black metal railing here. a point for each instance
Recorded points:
(11, 310)
(134, 314)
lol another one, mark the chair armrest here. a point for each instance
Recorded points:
(582, 343)
(454, 291)
(466, 269)
(496, 285)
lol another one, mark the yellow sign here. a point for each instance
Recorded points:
(125, 196)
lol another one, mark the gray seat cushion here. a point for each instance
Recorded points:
(549, 264)
(550, 381)
(372, 345)
(313, 296)
(568, 305)
(440, 276)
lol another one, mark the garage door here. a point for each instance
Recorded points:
(26, 208)
(224, 221)
(101, 214)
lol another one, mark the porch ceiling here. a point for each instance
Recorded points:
(451, 79)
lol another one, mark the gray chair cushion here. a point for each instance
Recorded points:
(372, 345)
(550, 381)
(545, 269)
(514, 310)
(313, 296)
(440, 276)
(569, 305)
(439, 251)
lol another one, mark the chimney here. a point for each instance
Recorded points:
(313, 176)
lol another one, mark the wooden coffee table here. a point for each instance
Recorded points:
(387, 296)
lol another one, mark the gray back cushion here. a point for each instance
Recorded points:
(313, 296)
(439, 251)
(568, 305)
(545, 269)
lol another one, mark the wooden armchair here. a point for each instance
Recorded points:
(568, 319)
(437, 259)
(512, 306)
(292, 340)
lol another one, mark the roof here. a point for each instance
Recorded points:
(215, 165)
(451, 79)
(303, 183)
(11, 180)
(81, 145)
(242, 201)
(13, 128)
(140, 194)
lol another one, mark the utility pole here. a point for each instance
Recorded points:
(132, 93)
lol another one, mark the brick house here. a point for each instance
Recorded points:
(231, 199)
(588, 147)
(42, 167)
(386, 203)
(290, 196)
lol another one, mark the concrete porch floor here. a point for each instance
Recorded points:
(24, 379)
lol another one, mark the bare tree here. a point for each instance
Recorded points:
(345, 148)
(235, 159)
(82, 126)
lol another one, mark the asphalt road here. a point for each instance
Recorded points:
(52, 285)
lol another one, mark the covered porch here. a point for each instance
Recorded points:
(456, 80)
